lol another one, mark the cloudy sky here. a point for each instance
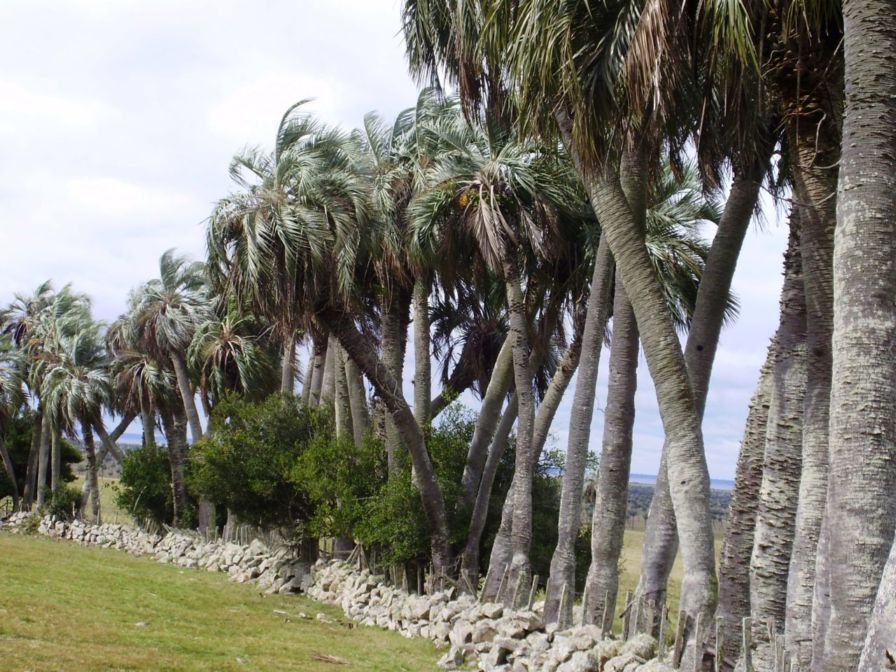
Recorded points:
(118, 119)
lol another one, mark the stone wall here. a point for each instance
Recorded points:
(478, 636)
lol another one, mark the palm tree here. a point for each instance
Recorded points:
(75, 386)
(861, 511)
(165, 314)
(506, 199)
(11, 398)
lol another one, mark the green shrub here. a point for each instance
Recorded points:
(17, 435)
(145, 485)
(63, 503)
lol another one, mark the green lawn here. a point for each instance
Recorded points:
(65, 607)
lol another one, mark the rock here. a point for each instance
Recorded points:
(641, 645)
(623, 663)
(491, 610)
(581, 661)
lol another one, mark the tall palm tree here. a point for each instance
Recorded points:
(165, 314)
(75, 386)
(11, 399)
(861, 512)
(507, 199)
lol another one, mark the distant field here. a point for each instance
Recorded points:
(65, 607)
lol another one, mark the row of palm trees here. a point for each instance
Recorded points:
(795, 93)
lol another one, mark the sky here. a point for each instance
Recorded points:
(118, 119)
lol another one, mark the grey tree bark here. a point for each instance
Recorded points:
(319, 354)
(389, 390)
(815, 184)
(661, 536)
(686, 464)
(394, 325)
(611, 497)
(861, 509)
(55, 459)
(470, 560)
(521, 530)
(42, 457)
(288, 365)
(344, 421)
(28, 492)
(92, 476)
(11, 473)
(737, 548)
(562, 572)
(422, 361)
(779, 492)
(879, 651)
(174, 426)
(147, 416)
(186, 395)
(328, 385)
(358, 399)
(489, 415)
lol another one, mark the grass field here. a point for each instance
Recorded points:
(65, 607)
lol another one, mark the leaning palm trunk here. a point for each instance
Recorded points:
(814, 187)
(319, 356)
(686, 464)
(779, 493)
(42, 457)
(328, 384)
(501, 552)
(389, 390)
(173, 426)
(11, 473)
(55, 459)
(521, 531)
(470, 561)
(737, 548)
(562, 575)
(879, 652)
(611, 498)
(393, 345)
(92, 477)
(288, 364)
(28, 492)
(861, 509)
(486, 423)
(186, 394)
(660, 536)
(422, 362)
(149, 427)
(344, 424)
(358, 400)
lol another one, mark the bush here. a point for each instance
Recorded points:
(64, 503)
(145, 485)
(17, 435)
(247, 462)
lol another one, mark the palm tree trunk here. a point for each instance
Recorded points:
(344, 425)
(489, 415)
(879, 651)
(422, 361)
(389, 390)
(328, 384)
(186, 395)
(11, 473)
(42, 459)
(521, 530)
(56, 460)
(661, 536)
(174, 425)
(149, 427)
(470, 561)
(28, 492)
(309, 375)
(288, 364)
(502, 545)
(688, 475)
(611, 497)
(563, 561)
(394, 342)
(860, 505)
(358, 399)
(737, 548)
(320, 361)
(814, 187)
(92, 476)
(779, 493)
